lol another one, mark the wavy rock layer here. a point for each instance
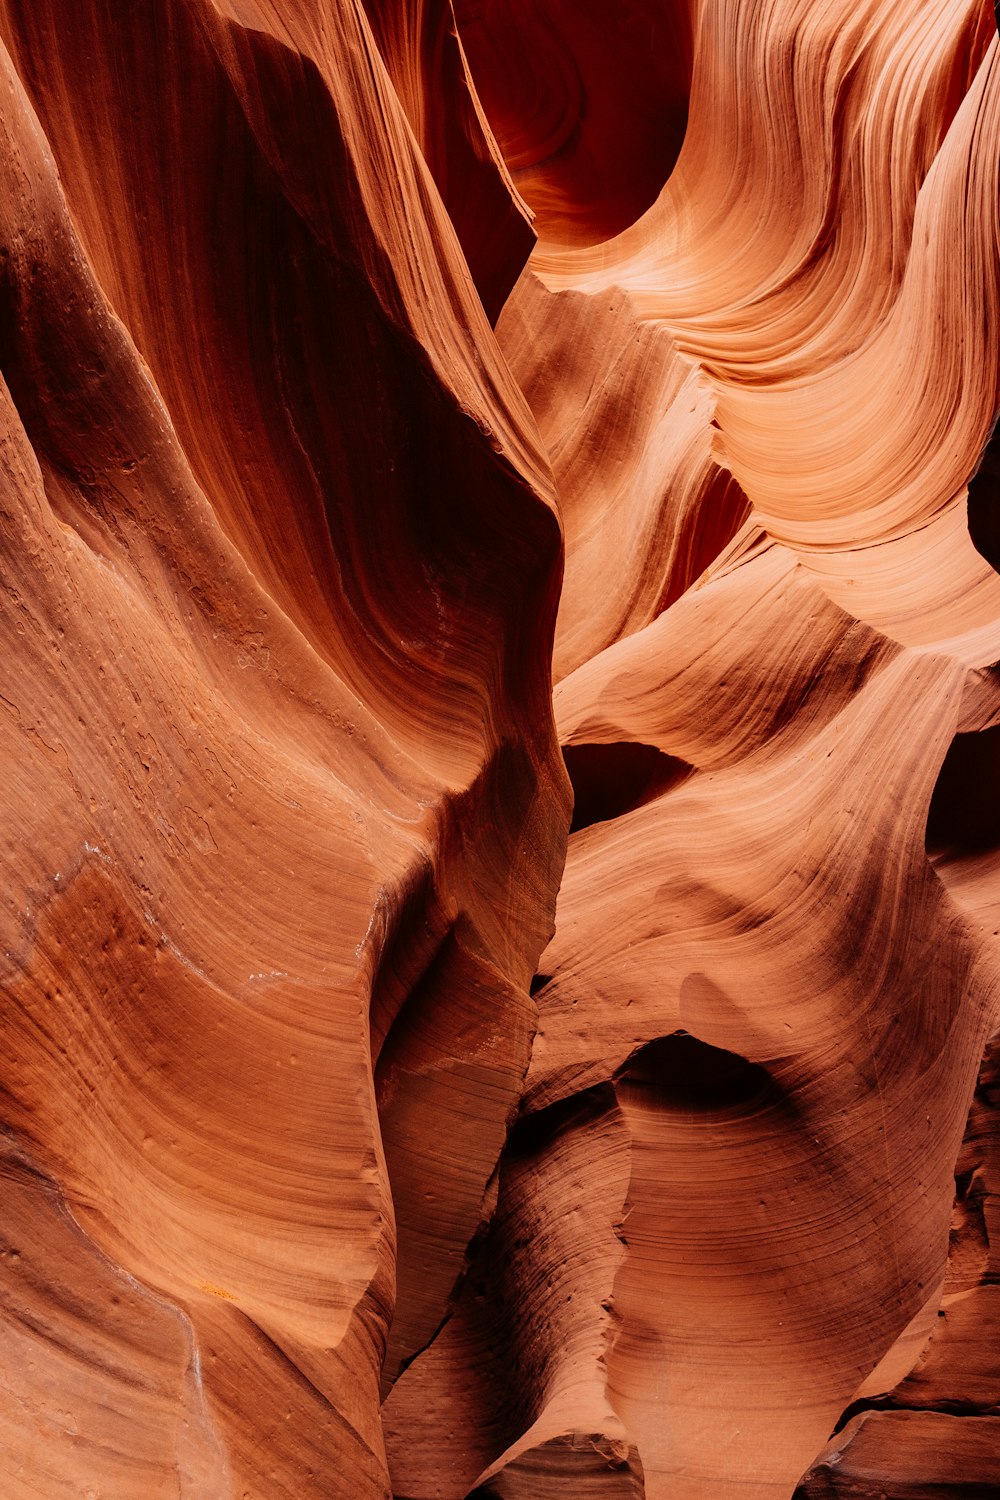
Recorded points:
(775, 951)
(367, 371)
(284, 811)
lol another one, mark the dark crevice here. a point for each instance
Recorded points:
(984, 503)
(964, 815)
(535, 1132)
(944, 1408)
(867, 1403)
(693, 1076)
(609, 780)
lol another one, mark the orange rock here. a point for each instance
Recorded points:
(278, 782)
(360, 1136)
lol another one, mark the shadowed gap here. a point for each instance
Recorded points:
(610, 780)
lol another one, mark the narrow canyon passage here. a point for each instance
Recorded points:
(500, 714)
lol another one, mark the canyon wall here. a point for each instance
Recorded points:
(500, 712)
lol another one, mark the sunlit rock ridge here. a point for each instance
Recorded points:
(500, 728)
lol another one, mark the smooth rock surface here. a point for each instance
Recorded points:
(500, 722)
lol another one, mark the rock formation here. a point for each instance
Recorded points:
(500, 708)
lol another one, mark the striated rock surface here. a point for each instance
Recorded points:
(285, 816)
(763, 403)
(499, 699)
(938, 1430)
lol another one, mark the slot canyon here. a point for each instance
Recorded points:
(500, 728)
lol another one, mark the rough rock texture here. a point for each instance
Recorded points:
(500, 710)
